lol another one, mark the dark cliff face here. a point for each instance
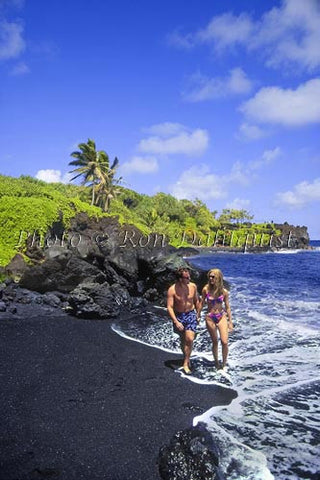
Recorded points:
(292, 237)
(102, 266)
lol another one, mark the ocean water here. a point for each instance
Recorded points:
(272, 429)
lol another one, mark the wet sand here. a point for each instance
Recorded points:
(80, 402)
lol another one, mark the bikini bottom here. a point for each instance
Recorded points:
(216, 316)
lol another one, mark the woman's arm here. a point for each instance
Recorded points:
(201, 302)
(228, 309)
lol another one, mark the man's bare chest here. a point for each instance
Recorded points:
(183, 295)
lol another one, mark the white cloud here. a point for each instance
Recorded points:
(288, 34)
(285, 106)
(226, 30)
(267, 157)
(238, 175)
(205, 88)
(302, 194)
(238, 204)
(165, 129)
(178, 40)
(12, 43)
(20, 69)
(140, 165)
(291, 34)
(238, 81)
(183, 142)
(53, 176)
(250, 132)
(199, 182)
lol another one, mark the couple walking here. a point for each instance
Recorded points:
(184, 307)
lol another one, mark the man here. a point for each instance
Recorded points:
(182, 303)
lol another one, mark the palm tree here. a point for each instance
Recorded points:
(95, 169)
(107, 187)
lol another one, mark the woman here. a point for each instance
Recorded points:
(219, 313)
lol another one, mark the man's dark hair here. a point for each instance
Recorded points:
(181, 271)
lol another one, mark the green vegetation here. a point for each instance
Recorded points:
(231, 215)
(28, 205)
(190, 223)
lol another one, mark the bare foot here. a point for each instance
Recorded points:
(186, 370)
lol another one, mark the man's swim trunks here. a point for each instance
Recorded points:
(188, 320)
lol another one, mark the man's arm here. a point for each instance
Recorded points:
(170, 305)
(196, 301)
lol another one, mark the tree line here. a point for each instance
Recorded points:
(28, 205)
(99, 176)
(181, 221)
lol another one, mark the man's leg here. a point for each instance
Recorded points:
(188, 343)
(182, 341)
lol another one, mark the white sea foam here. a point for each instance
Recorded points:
(263, 364)
(240, 461)
(286, 251)
(118, 330)
(274, 357)
(282, 424)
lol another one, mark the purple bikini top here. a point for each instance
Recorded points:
(212, 300)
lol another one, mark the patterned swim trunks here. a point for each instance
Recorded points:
(188, 320)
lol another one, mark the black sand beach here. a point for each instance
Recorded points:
(79, 402)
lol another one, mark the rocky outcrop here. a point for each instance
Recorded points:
(103, 267)
(191, 454)
(91, 300)
(17, 267)
(291, 237)
(15, 300)
(273, 237)
(62, 273)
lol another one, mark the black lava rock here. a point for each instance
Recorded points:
(92, 300)
(191, 455)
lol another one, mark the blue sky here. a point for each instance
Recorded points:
(210, 99)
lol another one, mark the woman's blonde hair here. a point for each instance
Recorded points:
(218, 288)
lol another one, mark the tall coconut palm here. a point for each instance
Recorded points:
(95, 169)
(107, 187)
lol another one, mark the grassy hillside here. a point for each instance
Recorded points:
(28, 205)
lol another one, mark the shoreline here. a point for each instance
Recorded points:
(79, 401)
(194, 250)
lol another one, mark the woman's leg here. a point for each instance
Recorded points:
(223, 331)
(212, 329)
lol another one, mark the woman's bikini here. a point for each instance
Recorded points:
(215, 316)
